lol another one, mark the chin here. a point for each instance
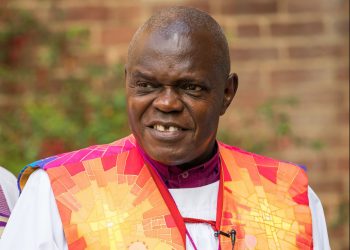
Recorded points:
(168, 157)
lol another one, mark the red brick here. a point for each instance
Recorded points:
(304, 6)
(248, 80)
(117, 35)
(297, 28)
(245, 54)
(314, 95)
(248, 30)
(199, 4)
(249, 100)
(343, 163)
(122, 14)
(158, 6)
(244, 7)
(342, 27)
(250, 92)
(315, 51)
(337, 232)
(343, 118)
(296, 76)
(330, 186)
(312, 6)
(338, 140)
(342, 74)
(125, 14)
(321, 164)
(93, 58)
(95, 13)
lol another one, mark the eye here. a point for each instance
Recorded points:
(192, 87)
(145, 85)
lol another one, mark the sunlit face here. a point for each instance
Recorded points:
(175, 97)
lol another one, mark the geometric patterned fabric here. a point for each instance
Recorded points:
(109, 198)
(265, 201)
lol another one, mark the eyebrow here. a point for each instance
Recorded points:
(139, 74)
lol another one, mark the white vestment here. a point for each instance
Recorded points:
(8, 196)
(35, 223)
(8, 183)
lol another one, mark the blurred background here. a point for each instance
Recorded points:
(62, 78)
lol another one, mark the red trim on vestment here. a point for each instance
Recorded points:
(220, 200)
(169, 201)
(195, 220)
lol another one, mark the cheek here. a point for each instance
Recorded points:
(206, 117)
(137, 108)
(133, 109)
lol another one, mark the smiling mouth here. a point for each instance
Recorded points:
(164, 128)
(167, 132)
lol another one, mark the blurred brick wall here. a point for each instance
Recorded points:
(279, 48)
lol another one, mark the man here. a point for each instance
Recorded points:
(169, 185)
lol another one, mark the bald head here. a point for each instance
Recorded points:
(178, 85)
(187, 22)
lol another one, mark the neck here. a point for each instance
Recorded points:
(187, 175)
(200, 161)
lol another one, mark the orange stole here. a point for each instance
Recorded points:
(113, 202)
(115, 208)
(265, 201)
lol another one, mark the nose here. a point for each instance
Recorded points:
(168, 101)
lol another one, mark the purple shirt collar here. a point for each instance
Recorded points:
(197, 176)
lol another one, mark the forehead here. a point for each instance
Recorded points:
(166, 45)
(175, 49)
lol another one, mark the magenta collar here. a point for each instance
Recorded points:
(197, 176)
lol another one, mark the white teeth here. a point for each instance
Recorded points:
(172, 129)
(159, 127)
(163, 128)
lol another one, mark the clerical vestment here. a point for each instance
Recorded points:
(109, 198)
(8, 196)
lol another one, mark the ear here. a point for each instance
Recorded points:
(126, 75)
(230, 91)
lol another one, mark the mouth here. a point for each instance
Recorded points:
(167, 132)
(166, 128)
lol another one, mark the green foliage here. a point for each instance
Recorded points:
(279, 121)
(271, 116)
(343, 214)
(51, 99)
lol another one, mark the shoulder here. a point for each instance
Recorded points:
(77, 156)
(259, 160)
(265, 171)
(88, 153)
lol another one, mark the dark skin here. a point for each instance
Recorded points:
(175, 96)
